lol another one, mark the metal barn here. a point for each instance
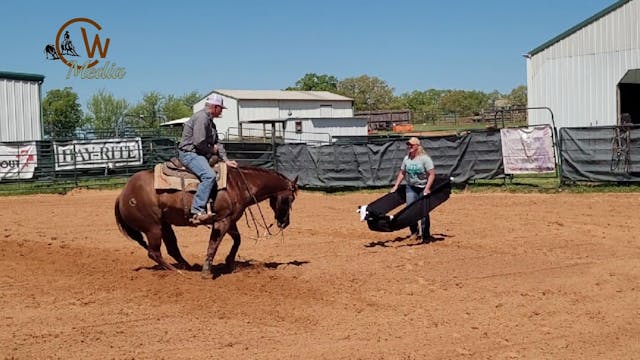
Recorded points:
(590, 74)
(20, 108)
(321, 113)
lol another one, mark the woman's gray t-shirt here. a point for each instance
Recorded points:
(416, 169)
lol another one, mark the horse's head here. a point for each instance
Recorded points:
(281, 203)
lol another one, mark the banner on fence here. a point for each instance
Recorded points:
(109, 153)
(527, 150)
(18, 161)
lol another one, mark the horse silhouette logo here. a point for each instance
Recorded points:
(50, 52)
(66, 48)
(67, 45)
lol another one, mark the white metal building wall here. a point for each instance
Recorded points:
(577, 77)
(19, 110)
(243, 110)
(279, 109)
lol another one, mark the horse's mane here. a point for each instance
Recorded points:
(263, 170)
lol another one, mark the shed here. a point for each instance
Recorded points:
(20, 106)
(311, 112)
(589, 75)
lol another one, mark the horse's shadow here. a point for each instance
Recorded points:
(224, 269)
(386, 243)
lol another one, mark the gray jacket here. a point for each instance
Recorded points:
(200, 134)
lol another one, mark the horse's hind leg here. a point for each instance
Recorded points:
(235, 235)
(171, 243)
(154, 237)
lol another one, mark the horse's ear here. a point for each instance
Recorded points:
(295, 181)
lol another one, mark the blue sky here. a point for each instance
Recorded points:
(178, 47)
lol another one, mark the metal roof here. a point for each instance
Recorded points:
(282, 95)
(21, 76)
(581, 25)
(175, 122)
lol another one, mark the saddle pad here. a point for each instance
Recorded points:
(165, 182)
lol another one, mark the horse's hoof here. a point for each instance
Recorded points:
(206, 271)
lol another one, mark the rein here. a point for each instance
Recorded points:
(255, 201)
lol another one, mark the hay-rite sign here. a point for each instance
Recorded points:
(18, 161)
(85, 154)
(83, 65)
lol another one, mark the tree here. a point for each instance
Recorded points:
(105, 111)
(518, 96)
(61, 113)
(191, 98)
(147, 114)
(424, 105)
(180, 107)
(464, 103)
(314, 82)
(368, 92)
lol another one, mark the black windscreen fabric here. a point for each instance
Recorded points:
(609, 154)
(378, 220)
(470, 156)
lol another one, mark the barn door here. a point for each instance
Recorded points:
(628, 95)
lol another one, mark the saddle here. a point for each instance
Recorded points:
(172, 174)
(174, 167)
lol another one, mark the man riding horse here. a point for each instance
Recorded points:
(199, 143)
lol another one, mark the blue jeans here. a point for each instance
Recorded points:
(200, 166)
(413, 193)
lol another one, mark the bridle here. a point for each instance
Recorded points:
(267, 228)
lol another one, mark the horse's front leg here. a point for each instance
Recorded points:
(235, 235)
(217, 233)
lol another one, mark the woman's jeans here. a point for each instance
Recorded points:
(200, 166)
(413, 193)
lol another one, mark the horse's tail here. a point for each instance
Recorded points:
(127, 229)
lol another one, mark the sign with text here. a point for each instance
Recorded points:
(18, 161)
(109, 153)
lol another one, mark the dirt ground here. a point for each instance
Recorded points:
(532, 276)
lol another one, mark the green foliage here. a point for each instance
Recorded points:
(191, 98)
(61, 113)
(104, 111)
(147, 114)
(180, 107)
(518, 96)
(371, 93)
(174, 108)
(315, 82)
(464, 103)
(368, 92)
(424, 105)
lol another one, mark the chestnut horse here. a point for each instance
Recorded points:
(142, 209)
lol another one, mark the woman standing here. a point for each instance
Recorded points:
(418, 171)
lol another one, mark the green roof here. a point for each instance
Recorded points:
(581, 25)
(21, 76)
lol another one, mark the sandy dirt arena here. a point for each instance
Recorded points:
(532, 276)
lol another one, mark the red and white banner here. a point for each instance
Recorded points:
(18, 161)
(527, 150)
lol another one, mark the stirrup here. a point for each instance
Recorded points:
(202, 218)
